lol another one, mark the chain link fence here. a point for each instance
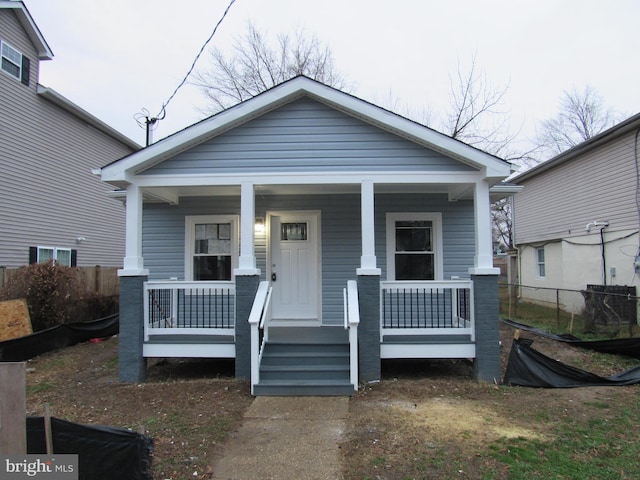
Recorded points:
(600, 310)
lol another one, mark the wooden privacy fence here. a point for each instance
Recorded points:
(102, 280)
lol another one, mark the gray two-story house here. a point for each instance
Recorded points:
(577, 219)
(52, 206)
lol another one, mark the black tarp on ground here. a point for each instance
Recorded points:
(104, 453)
(29, 346)
(620, 346)
(529, 368)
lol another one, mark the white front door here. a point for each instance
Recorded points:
(295, 266)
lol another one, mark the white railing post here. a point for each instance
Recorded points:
(353, 316)
(174, 307)
(146, 309)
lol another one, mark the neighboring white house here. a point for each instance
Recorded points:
(577, 217)
(51, 206)
(343, 232)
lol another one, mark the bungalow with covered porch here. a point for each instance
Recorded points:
(308, 235)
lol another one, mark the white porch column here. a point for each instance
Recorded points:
(368, 264)
(484, 242)
(133, 262)
(247, 261)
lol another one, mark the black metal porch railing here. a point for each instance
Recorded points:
(181, 305)
(426, 305)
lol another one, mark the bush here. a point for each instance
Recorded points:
(54, 295)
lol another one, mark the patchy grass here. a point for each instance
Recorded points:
(430, 420)
(424, 420)
(186, 407)
(605, 444)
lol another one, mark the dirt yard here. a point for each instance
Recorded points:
(426, 419)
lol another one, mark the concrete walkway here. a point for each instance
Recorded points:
(285, 438)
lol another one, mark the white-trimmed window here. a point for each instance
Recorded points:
(211, 247)
(540, 269)
(414, 246)
(14, 63)
(63, 256)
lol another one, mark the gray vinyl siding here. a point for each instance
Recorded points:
(164, 234)
(49, 195)
(599, 185)
(306, 135)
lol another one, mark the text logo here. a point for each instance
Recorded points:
(50, 467)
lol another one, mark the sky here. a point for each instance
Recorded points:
(115, 58)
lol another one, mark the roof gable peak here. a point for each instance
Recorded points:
(287, 92)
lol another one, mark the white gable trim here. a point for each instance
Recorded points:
(44, 52)
(123, 170)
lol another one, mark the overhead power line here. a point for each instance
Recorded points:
(143, 118)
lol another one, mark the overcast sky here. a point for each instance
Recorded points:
(115, 57)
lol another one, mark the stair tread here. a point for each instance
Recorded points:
(304, 368)
(304, 383)
(271, 353)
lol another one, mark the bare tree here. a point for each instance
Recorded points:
(256, 64)
(582, 115)
(502, 223)
(477, 115)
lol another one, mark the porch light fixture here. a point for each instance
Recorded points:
(259, 225)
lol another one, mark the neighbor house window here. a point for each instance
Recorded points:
(540, 262)
(14, 63)
(414, 246)
(62, 256)
(211, 247)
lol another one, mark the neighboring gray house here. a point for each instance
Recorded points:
(308, 234)
(577, 218)
(51, 206)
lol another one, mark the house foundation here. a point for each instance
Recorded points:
(246, 288)
(486, 366)
(369, 366)
(132, 364)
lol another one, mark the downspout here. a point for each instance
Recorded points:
(601, 226)
(604, 259)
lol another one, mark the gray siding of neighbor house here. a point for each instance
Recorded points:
(306, 135)
(598, 185)
(49, 195)
(164, 234)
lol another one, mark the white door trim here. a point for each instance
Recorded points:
(318, 238)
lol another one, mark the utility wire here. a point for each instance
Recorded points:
(195, 60)
(143, 119)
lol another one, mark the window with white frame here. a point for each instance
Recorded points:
(62, 256)
(14, 63)
(211, 251)
(414, 246)
(540, 262)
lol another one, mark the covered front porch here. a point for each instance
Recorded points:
(416, 320)
(260, 217)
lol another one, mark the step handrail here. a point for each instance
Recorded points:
(257, 318)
